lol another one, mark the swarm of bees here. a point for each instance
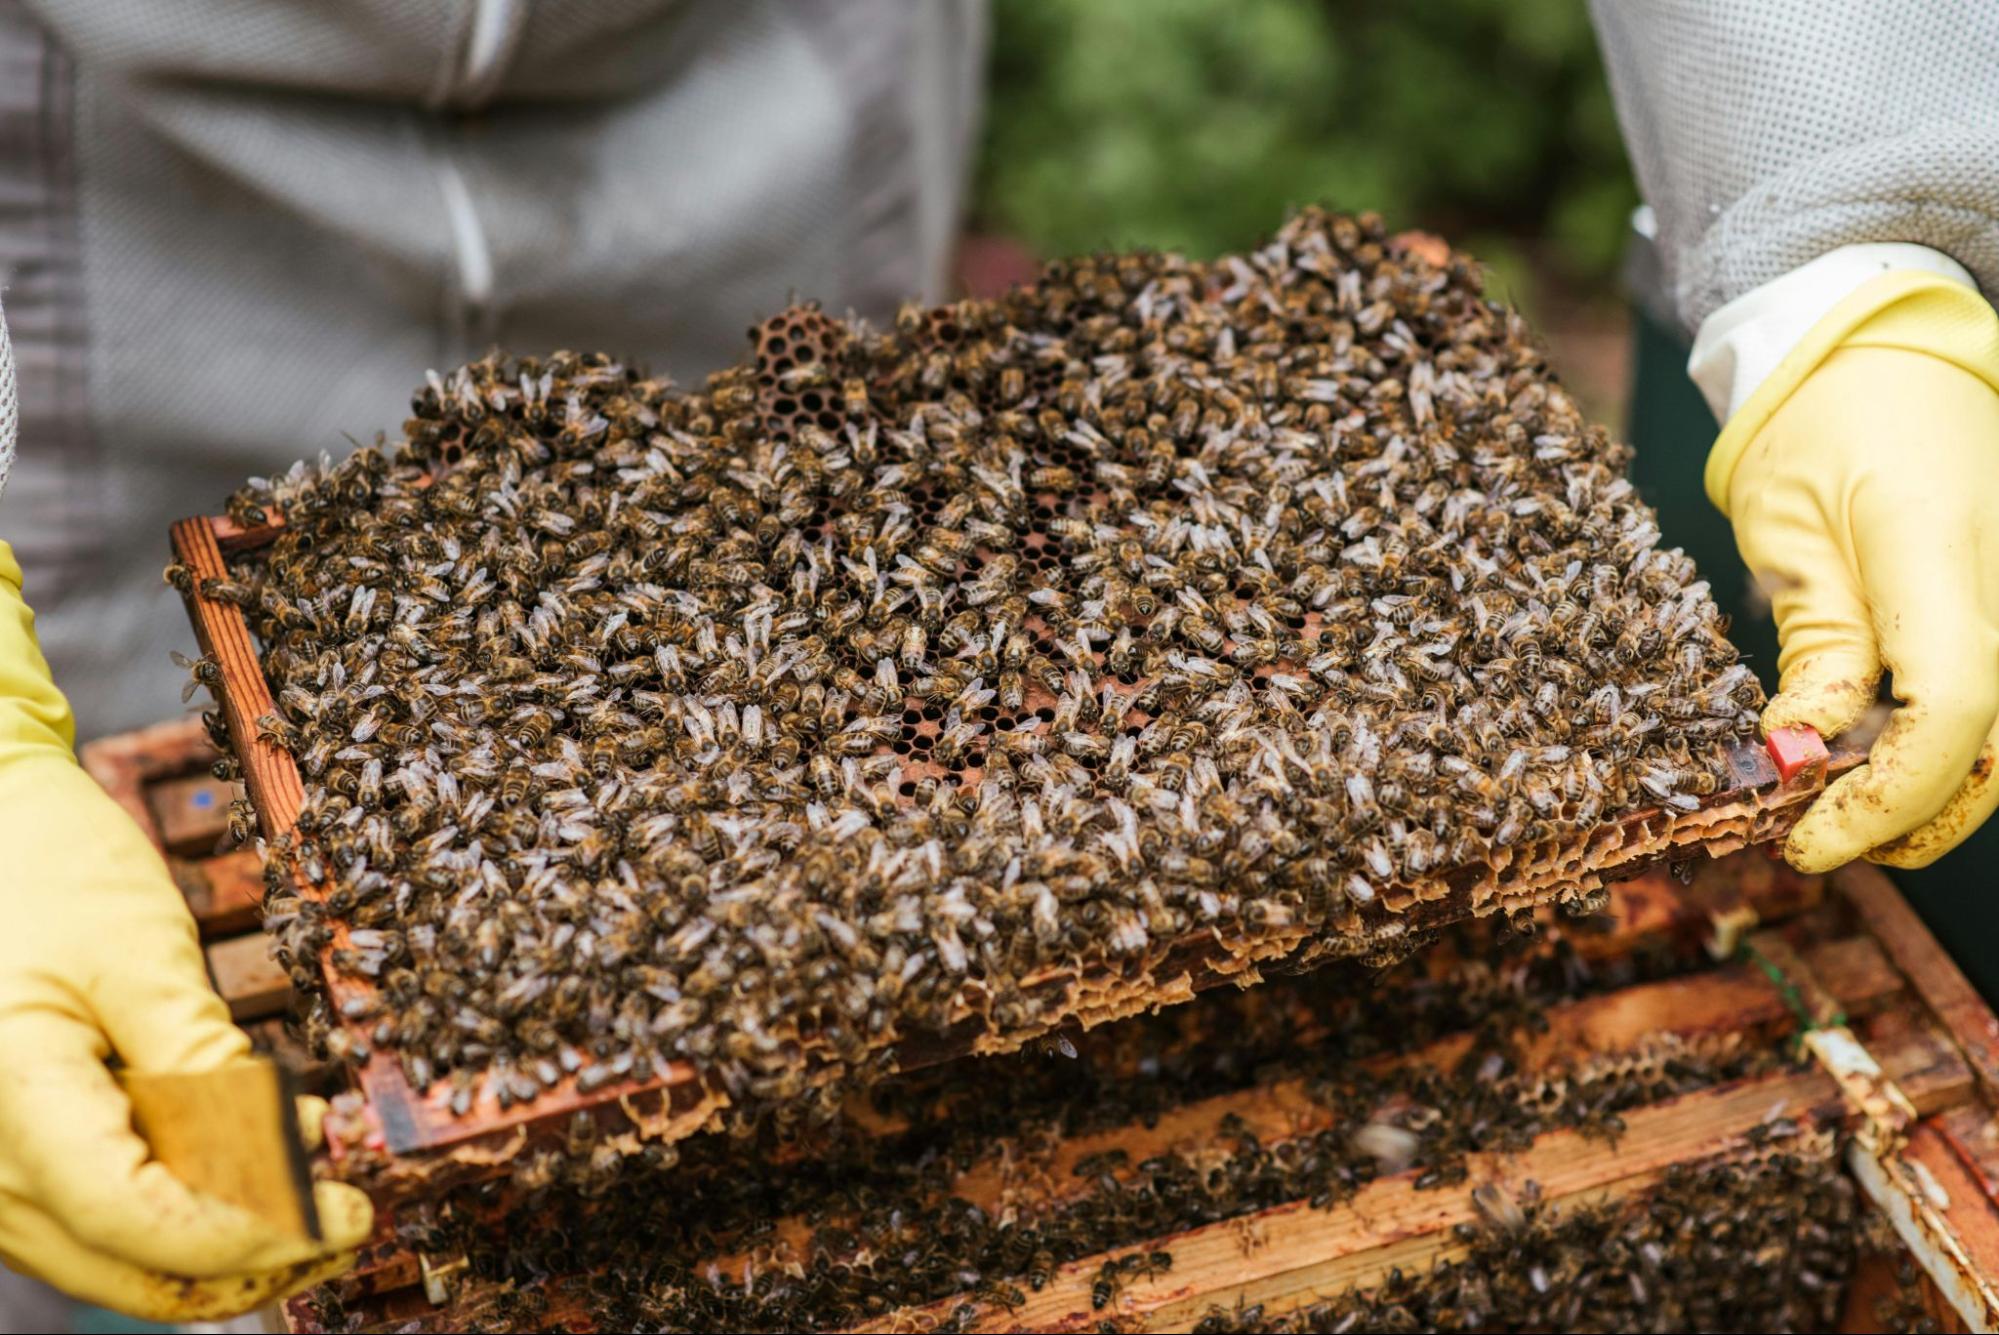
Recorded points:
(843, 698)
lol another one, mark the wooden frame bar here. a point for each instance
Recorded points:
(1930, 968)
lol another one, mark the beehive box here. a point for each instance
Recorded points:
(1842, 962)
(403, 1141)
(1848, 1048)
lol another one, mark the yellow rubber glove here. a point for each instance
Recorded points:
(98, 955)
(1862, 478)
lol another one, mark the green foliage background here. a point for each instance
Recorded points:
(1194, 124)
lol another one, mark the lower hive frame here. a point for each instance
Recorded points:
(1904, 1094)
(1904, 1069)
(405, 1141)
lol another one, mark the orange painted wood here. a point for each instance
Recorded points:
(1964, 1204)
(224, 893)
(223, 634)
(125, 764)
(192, 812)
(1875, 1286)
(247, 977)
(231, 536)
(1973, 1132)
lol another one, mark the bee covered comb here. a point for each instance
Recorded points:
(667, 756)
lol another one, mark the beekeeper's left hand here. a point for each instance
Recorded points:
(99, 958)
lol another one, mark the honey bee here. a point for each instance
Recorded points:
(243, 507)
(203, 672)
(242, 821)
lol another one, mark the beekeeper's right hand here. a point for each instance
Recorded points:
(99, 957)
(1862, 477)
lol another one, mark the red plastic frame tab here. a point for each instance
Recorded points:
(1795, 750)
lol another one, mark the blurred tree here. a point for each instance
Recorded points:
(1193, 124)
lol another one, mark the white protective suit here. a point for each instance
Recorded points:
(1794, 149)
(234, 235)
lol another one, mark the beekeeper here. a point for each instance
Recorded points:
(229, 233)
